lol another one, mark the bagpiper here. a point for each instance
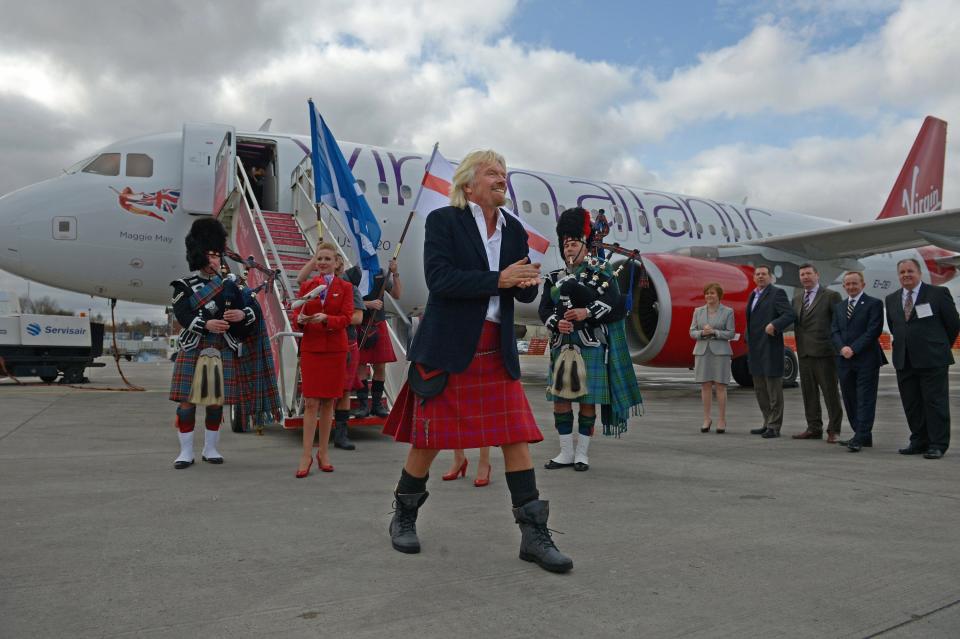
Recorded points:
(216, 318)
(590, 361)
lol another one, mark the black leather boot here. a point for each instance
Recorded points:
(377, 409)
(536, 544)
(340, 438)
(362, 405)
(403, 526)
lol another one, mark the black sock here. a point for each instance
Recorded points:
(341, 416)
(523, 487)
(410, 485)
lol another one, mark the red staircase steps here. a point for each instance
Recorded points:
(538, 346)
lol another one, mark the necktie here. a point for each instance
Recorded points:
(908, 305)
(807, 298)
(849, 309)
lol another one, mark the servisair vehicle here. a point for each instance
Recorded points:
(113, 226)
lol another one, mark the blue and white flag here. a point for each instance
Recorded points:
(337, 188)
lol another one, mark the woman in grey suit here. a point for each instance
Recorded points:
(712, 327)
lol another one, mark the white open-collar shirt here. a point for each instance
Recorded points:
(492, 246)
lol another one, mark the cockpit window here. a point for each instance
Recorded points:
(104, 164)
(139, 165)
(76, 166)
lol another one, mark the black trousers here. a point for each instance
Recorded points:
(925, 395)
(859, 389)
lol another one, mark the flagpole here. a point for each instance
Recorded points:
(383, 284)
(426, 172)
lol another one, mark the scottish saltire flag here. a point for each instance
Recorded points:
(435, 193)
(337, 188)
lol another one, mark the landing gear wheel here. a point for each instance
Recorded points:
(791, 368)
(741, 372)
(49, 379)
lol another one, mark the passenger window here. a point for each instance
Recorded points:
(384, 189)
(699, 228)
(712, 229)
(362, 185)
(749, 236)
(643, 220)
(405, 192)
(686, 226)
(104, 164)
(525, 205)
(139, 165)
(736, 234)
(659, 224)
(544, 208)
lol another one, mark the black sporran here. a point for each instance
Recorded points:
(426, 382)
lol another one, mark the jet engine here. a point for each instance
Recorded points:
(666, 290)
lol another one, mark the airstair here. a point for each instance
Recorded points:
(285, 241)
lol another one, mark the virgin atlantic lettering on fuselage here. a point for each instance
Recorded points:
(654, 219)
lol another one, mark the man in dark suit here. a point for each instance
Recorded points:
(475, 260)
(924, 323)
(814, 306)
(768, 314)
(857, 324)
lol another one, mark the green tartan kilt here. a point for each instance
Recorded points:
(598, 386)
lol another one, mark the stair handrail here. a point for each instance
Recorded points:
(258, 216)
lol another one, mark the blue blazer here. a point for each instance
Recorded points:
(860, 333)
(460, 284)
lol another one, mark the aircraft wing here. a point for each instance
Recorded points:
(941, 228)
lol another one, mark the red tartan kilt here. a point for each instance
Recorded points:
(323, 374)
(350, 371)
(481, 406)
(382, 351)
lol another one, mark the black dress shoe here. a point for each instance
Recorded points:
(180, 465)
(758, 431)
(580, 466)
(552, 465)
(770, 434)
(911, 450)
(212, 460)
(933, 453)
(854, 446)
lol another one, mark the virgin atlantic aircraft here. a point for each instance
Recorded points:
(113, 226)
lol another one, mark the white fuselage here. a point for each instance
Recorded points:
(73, 232)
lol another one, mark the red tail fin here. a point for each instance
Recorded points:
(919, 187)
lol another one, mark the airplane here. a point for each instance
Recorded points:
(113, 224)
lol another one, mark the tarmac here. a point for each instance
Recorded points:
(673, 533)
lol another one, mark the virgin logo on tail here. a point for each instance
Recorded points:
(922, 171)
(913, 203)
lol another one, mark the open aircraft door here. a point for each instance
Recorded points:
(208, 160)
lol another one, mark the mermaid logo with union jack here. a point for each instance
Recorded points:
(155, 205)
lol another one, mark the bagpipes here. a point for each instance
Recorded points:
(578, 291)
(249, 263)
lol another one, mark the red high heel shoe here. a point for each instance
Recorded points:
(306, 471)
(460, 472)
(327, 468)
(485, 481)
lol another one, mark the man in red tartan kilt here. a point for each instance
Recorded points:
(476, 263)
(215, 320)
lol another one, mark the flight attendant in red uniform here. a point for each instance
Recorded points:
(323, 353)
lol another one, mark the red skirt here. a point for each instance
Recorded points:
(482, 406)
(323, 374)
(350, 374)
(382, 351)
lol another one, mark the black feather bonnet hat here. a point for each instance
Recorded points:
(574, 224)
(206, 234)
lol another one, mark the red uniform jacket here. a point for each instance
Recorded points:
(330, 337)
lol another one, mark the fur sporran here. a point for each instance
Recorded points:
(569, 374)
(207, 387)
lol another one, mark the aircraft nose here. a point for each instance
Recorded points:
(9, 236)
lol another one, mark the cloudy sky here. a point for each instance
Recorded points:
(804, 105)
